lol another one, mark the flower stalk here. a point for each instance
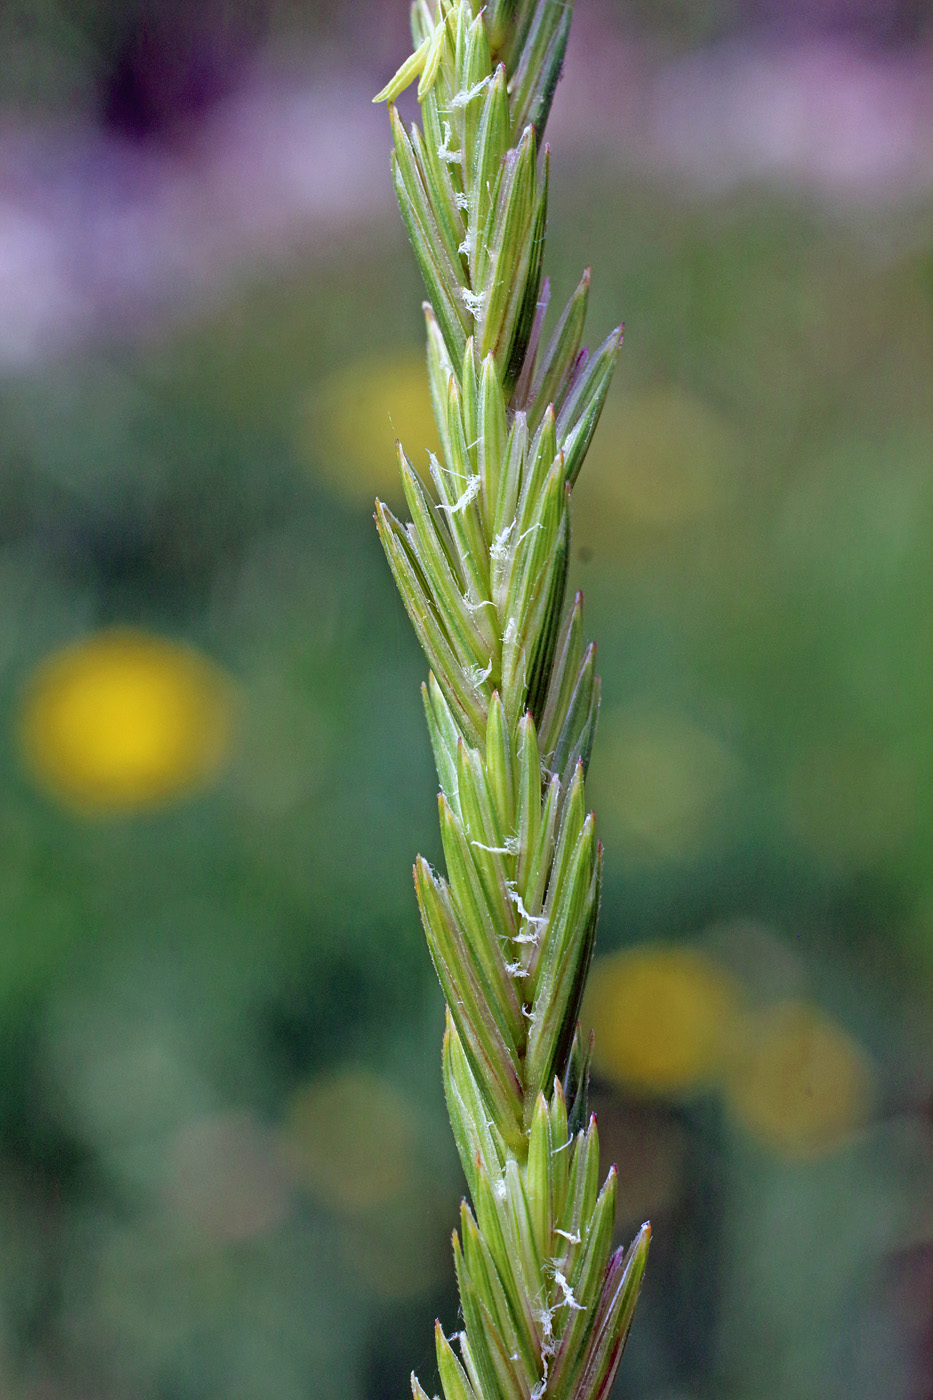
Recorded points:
(511, 704)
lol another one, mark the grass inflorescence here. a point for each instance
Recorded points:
(511, 704)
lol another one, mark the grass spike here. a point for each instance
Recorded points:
(511, 705)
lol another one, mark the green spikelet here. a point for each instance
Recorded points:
(511, 705)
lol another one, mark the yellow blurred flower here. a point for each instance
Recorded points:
(798, 1082)
(662, 1017)
(350, 1139)
(658, 783)
(355, 416)
(123, 720)
(661, 459)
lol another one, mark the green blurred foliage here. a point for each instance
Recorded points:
(753, 538)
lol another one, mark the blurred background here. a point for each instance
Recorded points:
(225, 1167)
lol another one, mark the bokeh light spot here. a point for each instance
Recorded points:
(350, 1140)
(662, 1017)
(658, 784)
(225, 1178)
(124, 720)
(355, 416)
(661, 459)
(798, 1082)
